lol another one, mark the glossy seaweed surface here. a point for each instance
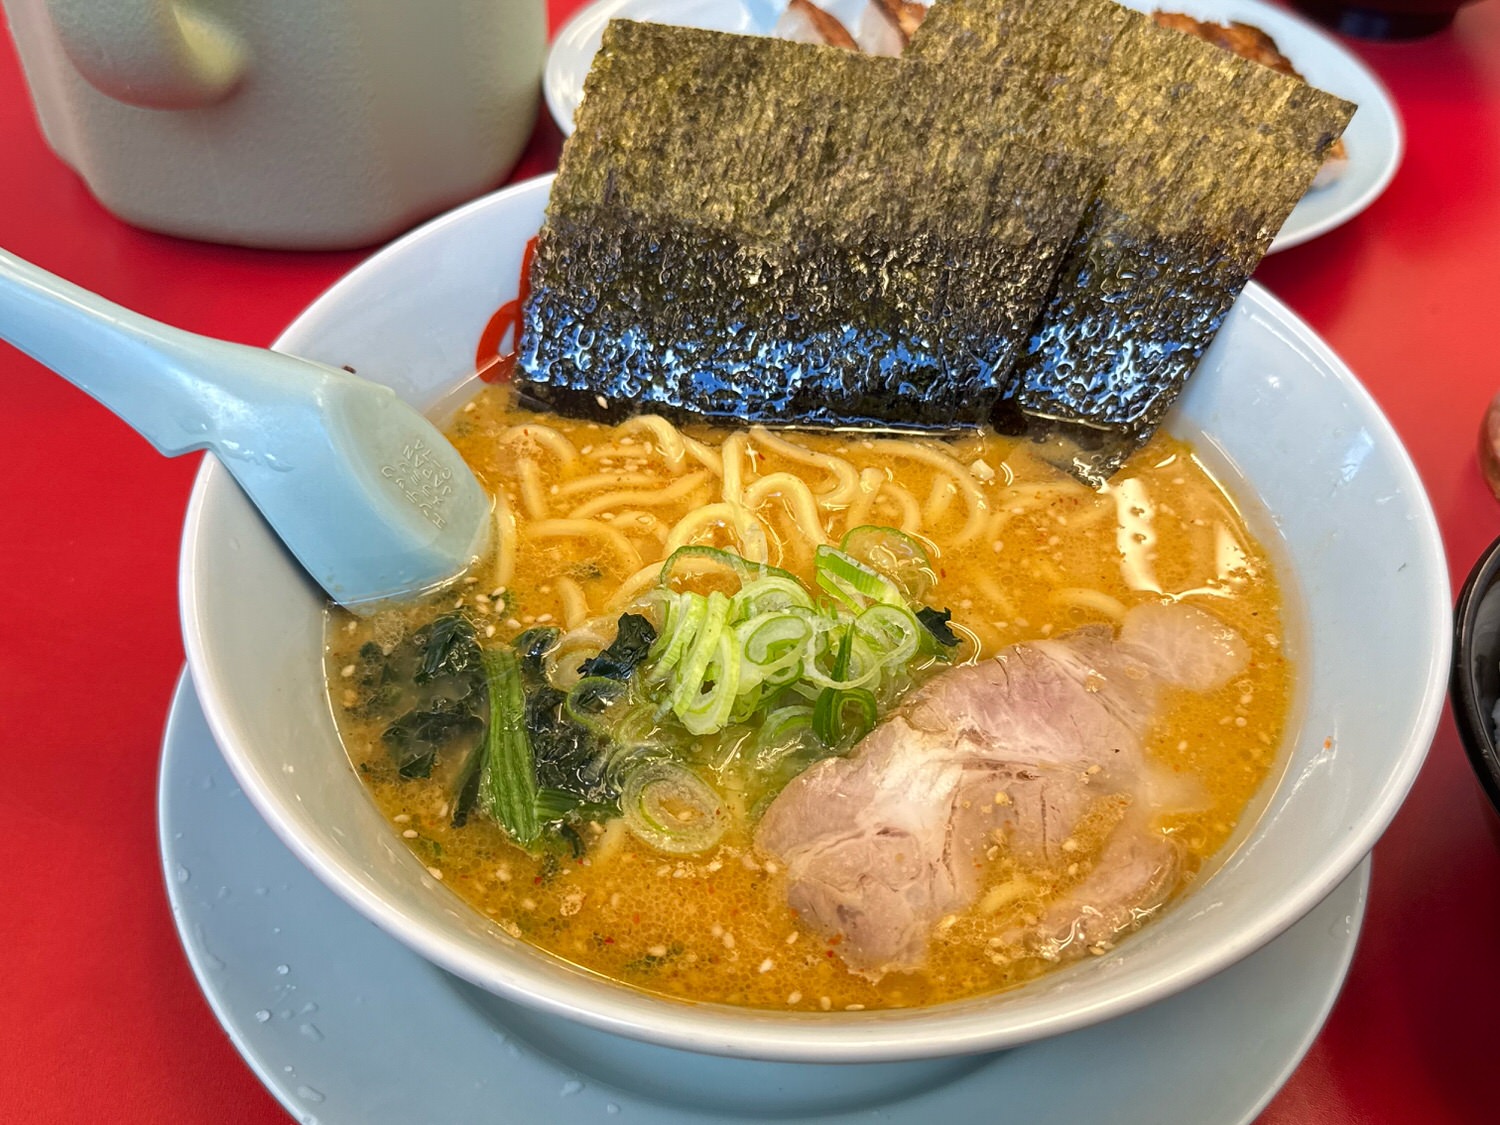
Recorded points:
(1038, 217)
(1131, 314)
(896, 335)
(750, 229)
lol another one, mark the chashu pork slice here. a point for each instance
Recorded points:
(880, 845)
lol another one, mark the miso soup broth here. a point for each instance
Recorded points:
(1018, 552)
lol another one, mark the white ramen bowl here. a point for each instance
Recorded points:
(1272, 410)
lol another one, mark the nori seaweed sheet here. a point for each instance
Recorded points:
(755, 230)
(1205, 154)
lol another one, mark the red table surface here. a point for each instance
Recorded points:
(100, 1018)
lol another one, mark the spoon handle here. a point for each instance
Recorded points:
(366, 492)
(149, 374)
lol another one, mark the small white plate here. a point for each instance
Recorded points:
(347, 1026)
(1374, 138)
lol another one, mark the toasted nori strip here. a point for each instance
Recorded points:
(1205, 154)
(751, 229)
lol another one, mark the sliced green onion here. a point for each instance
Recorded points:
(897, 555)
(672, 809)
(704, 647)
(771, 594)
(850, 581)
(832, 722)
(893, 633)
(785, 724)
(685, 616)
(694, 558)
(856, 665)
(709, 711)
(769, 639)
(508, 786)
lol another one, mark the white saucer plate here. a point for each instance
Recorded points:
(347, 1026)
(1374, 138)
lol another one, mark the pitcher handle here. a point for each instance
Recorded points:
(161, 54)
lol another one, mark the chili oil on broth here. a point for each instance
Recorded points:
(1022, 552)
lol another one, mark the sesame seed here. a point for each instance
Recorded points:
(434, 872)
(410, 833)
(657, 951)
(489, 630)
(767, 965)
(791, 938)
(794, 998)
(347, 671)
(402, 818)
(728, 941)
(854, 1007)
(824, 1003)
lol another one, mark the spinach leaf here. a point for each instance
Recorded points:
(448, 647)
(532, 648)
(415, 739)
(466, 793)
(507, 785)
(634, 637)
(377, 691)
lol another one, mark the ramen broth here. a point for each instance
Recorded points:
(1022, 551)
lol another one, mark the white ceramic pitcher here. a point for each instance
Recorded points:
(298, 124)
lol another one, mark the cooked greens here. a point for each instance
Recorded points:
(774, 673)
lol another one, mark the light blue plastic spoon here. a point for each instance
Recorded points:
(368, 494)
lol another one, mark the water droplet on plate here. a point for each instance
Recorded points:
(611, 1109)
(183, 874)
(307, 1093)
(310, 1031)
(571, 1087)
(263, 1015)
(282, 970)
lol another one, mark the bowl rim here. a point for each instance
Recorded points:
(831, 1037)
(1476, 730)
